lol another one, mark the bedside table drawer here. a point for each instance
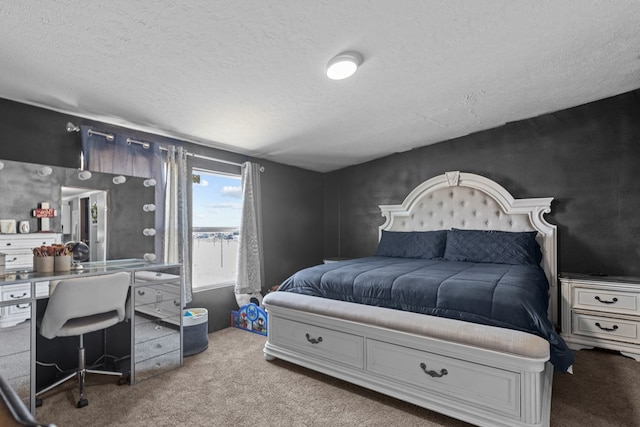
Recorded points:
(605, 327)
(608, 301)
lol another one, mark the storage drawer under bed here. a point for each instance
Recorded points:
(317, 341)
(478, 384)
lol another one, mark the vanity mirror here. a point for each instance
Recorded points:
(83, 218)
(108, 212)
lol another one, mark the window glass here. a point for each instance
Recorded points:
(216, 208)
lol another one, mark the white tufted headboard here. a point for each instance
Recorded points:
(468, 201)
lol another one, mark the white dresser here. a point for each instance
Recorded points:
(18, 249)
(601, 311)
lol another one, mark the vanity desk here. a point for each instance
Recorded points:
(152, 340)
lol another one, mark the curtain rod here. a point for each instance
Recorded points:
(110, 137)
(200, 156)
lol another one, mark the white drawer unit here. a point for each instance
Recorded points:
(601, 311)
(489, 385)
(19, 310)
(479, 385)
(19, 248)
(320, 342)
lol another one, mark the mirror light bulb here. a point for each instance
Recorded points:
(149, 231)
(45, 171)
(84, 175)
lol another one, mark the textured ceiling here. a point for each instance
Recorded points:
(248, 75)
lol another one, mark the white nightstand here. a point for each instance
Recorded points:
(601, 311)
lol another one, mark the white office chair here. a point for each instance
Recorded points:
(81, 305)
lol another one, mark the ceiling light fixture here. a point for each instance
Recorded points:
(344, 65)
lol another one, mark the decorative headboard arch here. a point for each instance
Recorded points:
(469, 201)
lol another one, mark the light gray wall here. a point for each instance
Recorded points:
(22, 189)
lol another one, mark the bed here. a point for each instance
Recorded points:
(458, 328)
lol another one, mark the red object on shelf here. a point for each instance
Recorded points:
(44, 213)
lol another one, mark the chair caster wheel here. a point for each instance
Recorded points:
(82, 403)
(38, 402)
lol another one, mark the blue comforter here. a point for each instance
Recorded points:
(503, 295)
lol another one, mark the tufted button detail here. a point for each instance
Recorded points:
(462, 203)
(464, 223)
(497, 213)
(473, 192)
(421, 205)
(452, 213)
(475, 212)
(486, 223)
(451, 194)
(441, 223)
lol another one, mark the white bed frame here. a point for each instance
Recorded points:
(484, 375)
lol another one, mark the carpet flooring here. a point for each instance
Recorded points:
(230, 384)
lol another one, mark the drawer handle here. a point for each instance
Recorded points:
(313, 340)
(433, 374)
(613, 301)
(11, 260)
(140, 292)
(22, 306)
(24, 294)
(176, 303)
(606, 329)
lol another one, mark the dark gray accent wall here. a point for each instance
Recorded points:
(292, 198)
(587, 158)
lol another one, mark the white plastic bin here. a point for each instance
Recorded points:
(195, 325)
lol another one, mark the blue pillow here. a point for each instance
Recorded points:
(498, 247)
(412, 244)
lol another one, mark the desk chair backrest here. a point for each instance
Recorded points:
(83, 297)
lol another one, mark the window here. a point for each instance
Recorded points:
(216, 208)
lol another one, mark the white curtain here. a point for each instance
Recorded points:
(176, 221)
(249, 264)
